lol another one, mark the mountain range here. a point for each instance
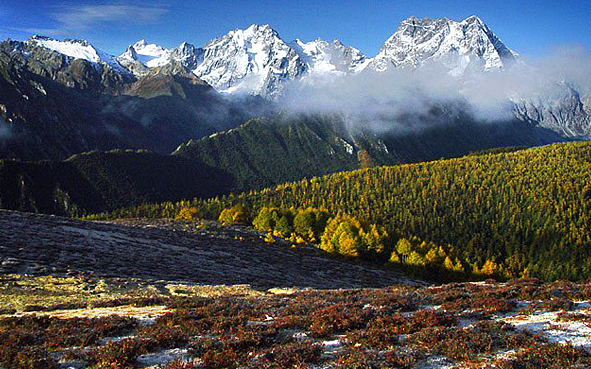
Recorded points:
(257, 60)
(217, 109)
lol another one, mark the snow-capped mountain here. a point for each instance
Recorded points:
(77, 49)
(254, 60)
(150, 55)
(189, 55)
(324, 57)
(456, 45)
(141, 57)
(257, 61)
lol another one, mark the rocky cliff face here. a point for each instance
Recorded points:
(565, 111)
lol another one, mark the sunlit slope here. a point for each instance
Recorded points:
(528, 210)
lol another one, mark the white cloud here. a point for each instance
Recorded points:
(81, 17)
(384, 101)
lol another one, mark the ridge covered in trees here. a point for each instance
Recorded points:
(515, 214)
(99, 181)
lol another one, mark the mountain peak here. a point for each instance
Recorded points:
(256, 29)
(150, 55)
(45, 40)
(130, 53)
(473, 19)
(260, 28)
(41, 38)
(77, 41)
(140, 43)
(77, 49)
(454, 44)
(253, 60)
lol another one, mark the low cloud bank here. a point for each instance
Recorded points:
(385, 101)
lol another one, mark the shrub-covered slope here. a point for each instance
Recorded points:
(521, 324)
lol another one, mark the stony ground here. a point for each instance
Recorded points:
(196, 252)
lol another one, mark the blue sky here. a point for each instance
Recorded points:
(528, 27)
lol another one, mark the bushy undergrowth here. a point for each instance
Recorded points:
(25, 341)
(397, 327)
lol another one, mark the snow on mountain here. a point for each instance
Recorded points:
(258, 61)
(78, 49)
(561, 107)
(457, 45)
(150, 55)
(324, 57)
(189, 55)
(255, 60)
(141, 57)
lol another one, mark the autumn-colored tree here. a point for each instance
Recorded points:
(187, 213)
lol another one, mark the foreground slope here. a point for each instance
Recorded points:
(521, 324)
(203, 253)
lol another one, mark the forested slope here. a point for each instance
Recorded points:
(96, 181)
(526, 212)
(287, 147)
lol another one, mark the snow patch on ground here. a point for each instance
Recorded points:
(348, 147)
(576, 333)
(153, 360)
(333, 346)
(437, 362)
